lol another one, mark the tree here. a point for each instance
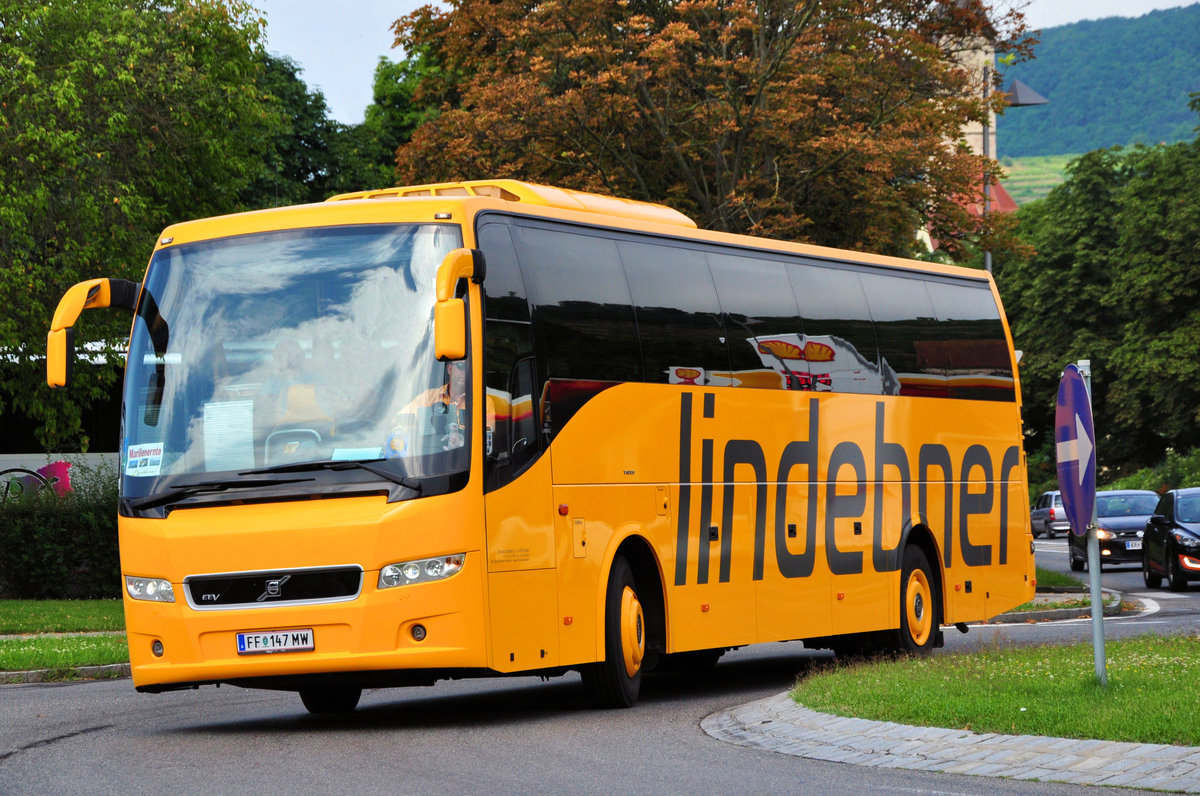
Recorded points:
(365, 154)
(300, 164)
(823, 121)
(1115, 279)
(116, 118)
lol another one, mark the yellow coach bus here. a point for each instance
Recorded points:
(493, 428)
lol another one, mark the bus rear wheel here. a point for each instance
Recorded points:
(329, 700)
(920, 605)
(616, 681)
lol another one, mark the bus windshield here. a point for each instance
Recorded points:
(292, 361)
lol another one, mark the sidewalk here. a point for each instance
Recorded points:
(778, 724)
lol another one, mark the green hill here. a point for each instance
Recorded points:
(1110, 82)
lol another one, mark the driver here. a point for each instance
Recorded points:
(444, 408)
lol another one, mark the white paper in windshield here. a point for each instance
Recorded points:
(144, 459)
(228, 435)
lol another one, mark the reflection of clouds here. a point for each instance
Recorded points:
(359, 306)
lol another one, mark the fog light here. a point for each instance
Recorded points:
(157, 649)
(418, 632)
(158, 590)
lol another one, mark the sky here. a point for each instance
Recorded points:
(338, 42)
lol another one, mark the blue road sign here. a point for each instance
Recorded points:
(1075, 445)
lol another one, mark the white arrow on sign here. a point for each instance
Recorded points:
(1076, 450)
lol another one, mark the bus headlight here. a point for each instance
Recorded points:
(156, 590)
(420, 571)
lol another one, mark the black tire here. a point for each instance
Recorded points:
(1175, 578)
(1152, 579)
(1049, 533)
(330, 700)
(920, 605)
(616, 681)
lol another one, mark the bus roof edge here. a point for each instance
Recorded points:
(531, 193)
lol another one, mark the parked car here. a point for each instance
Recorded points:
(1048, 516)
(1121, 516)
(1171, 545)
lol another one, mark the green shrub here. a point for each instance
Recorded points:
(62, 547)
(1177, 470)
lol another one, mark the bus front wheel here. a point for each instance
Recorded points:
(920, 608)
(616, 681)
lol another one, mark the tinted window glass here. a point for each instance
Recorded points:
(839, 335)
(583, 317)
(970, 348)
(904, 319)
(678, 315)
(503, 286)
(765, 334)
(508, 353)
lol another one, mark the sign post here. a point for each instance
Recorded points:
(1075, 446)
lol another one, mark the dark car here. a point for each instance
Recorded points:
(1121, 516)
(1171, 546)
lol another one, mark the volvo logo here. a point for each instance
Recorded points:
(274, 588)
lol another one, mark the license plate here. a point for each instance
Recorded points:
(275, 641)
(1137, 545)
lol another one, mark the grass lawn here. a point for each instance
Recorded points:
(60, 616)
(1153, 689)
(1031, 178)
(61, 654)
(1050, 579)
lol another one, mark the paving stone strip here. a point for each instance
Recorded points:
(778, 724)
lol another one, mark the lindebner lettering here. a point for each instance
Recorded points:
(846, 496)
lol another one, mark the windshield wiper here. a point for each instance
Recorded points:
(368, 465)
(178, 492)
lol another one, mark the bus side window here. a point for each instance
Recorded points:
(839, 338)
(509, 366)
(678, 315)
(904, 323)
(970, 341)
(766, 336)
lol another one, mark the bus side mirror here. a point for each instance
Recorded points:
(450, 329)
(60, 356)
(92, 294)
(450, 312)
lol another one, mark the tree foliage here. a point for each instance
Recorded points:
(1116, 279)
(365, 154)
(116, 118)
(299, 161)
(824, 121)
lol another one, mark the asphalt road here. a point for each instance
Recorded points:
(496, 736)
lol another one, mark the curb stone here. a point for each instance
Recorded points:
(1014, 617)
(779, 724)
(106, 672)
